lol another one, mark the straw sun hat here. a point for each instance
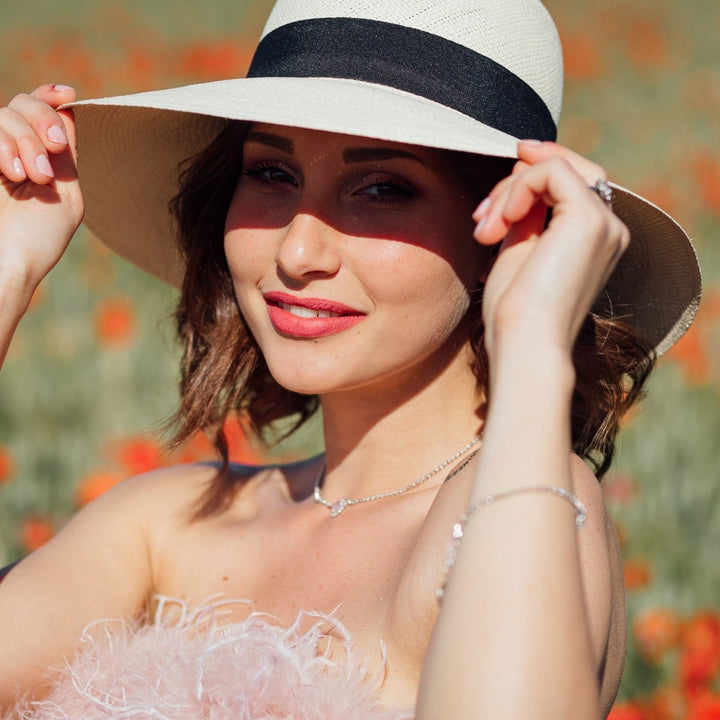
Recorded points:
(468, 75)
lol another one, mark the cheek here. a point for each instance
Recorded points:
(246, 235)
(451, 300)
(422, 287)
(450, 237)
(247, 258)
(248, 248)
(240, 258)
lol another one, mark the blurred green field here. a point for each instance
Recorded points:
(92, 373)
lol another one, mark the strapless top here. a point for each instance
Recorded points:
(187, 665)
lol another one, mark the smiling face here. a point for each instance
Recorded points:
(352, 259)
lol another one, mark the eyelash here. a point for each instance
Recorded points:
(263, 171)
(400, 192)
(258, 173)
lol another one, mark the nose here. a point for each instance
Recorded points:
(309, 247)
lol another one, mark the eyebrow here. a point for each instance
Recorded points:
(372, 154)
(350, 155)
(277, 141)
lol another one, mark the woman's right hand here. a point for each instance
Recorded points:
(41, 205)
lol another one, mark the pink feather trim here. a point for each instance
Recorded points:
(195, 667)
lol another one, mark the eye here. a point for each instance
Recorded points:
(271, 174)
(387, 190)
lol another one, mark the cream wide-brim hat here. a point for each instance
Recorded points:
(466, 75)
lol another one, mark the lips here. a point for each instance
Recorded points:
(309, 317)
(306, 312)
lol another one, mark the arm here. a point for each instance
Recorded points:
(40, 209)
(40, 201)
(529, 649)
(15, 297)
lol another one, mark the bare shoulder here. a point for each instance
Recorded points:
(156, 494)
(597, 538)
(603, 582)
(599, 555)
(168, 492)
(99, 565)
(599, 547)
(586, 486)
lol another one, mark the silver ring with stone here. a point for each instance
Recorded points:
(603, 190)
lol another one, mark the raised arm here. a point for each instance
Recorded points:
(40, 209)
(516, 635)
(40, 201)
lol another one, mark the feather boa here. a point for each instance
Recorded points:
(200, 668)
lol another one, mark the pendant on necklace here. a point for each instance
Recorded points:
(337, 507)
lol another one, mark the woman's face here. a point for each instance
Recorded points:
(352, 259)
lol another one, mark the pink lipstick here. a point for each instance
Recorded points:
(309, 317)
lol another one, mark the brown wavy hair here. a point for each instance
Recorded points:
(224, 372)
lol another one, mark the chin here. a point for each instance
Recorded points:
(288, 376)
(317, 379)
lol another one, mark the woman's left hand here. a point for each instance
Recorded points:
(545, 279)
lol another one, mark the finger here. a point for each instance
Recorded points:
(30, 131)
(562, 173)
(529, 226)
(519, 166)
(11, 166)
(480, 214)
(43, 117)
(517, 212)
(551, 182)
(55, 96)
(492, 226)
(591, 172)
(22, 153)
(577, 213)
(533, 152)
(508, 180)
(65, 164)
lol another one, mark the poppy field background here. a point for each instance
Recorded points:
(91, 376)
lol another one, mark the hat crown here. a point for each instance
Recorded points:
(520, 35)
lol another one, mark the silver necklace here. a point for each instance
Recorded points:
(339, 505)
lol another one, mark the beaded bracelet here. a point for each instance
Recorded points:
(458, 529)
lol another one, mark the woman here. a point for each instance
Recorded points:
(349, 234)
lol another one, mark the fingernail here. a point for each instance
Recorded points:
(481, 209)
(62, 88)
(531, 141)
(43, 166)
(57, 135)
(18, 167)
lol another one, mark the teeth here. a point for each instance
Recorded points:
(304, 312)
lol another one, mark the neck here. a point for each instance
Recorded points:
(379, 439)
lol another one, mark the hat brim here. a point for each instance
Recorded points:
(130, 148)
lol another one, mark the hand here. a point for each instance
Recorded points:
(41, 204)
(545, 279)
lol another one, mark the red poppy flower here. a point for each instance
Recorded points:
(7, 466)
(93, 485)
(115, 322)
(35, 532)
(140, 455)
(655, 631)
